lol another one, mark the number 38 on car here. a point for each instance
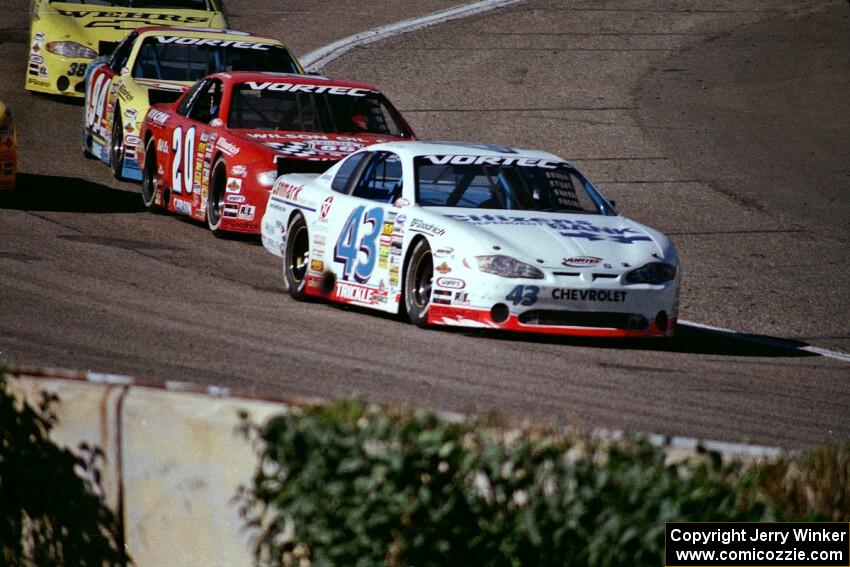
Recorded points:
(473, 236)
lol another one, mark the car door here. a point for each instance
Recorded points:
(192, 137)
(364, 228)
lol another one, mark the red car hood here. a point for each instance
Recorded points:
(313, 145)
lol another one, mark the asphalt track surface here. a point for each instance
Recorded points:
(724, 123)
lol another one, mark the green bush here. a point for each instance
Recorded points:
(351, 484)
(50, 514)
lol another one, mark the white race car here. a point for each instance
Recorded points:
(473, 236)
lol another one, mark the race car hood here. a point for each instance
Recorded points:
(562, 239)
(310, 145)
(89, 24)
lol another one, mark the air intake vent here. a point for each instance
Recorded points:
(605, 276)
(584, 319)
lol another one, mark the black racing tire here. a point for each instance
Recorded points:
(215, 198)
(149, 178)
(116, 147)
(418, 280)
(87, 154)
(296, 256)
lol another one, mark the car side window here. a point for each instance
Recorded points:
(119, 57)
(207, 102)
(381, 180)
(188, 100)
(348, 171)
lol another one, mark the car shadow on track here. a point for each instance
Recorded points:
(68, 195)
(688, 339)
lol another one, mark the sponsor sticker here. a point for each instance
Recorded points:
(355, 292)
(315, 89)
(246, 212)
(326, 207)
(568, 228)
(581, 261)
(234, 185)
(227, 147)
(443, 268)
(198, 41)
(317, 265)
(498, 161)
(239, 170)
(597, 295)
(235, 198)
(451, 283)
(418, 225)
(158, 117)
(182, 207)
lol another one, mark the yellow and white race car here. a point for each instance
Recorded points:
(157, 64)
(65, 36)
(8, 149)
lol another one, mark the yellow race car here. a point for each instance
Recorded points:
(65, 36)
(8, 149)
(156, 65)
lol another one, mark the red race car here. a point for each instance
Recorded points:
(215, 153)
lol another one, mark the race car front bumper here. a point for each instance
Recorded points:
(541, 306)
(57, 75)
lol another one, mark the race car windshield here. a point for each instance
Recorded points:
(514, 183)
(177, 4)
(311, 108)
(171, 58)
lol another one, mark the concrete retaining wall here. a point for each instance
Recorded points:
(173, 460)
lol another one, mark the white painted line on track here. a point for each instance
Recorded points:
(317, 59)
(778, 343)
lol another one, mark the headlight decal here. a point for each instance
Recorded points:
(652, 273)
(71, 49)
(507, 267)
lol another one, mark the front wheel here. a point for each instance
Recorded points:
(215, 200)
(418, 279)
(296, 256)
(149, 178)
(116, 150)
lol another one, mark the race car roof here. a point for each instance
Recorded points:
(208, 33)
(419, 148)
(267, 76)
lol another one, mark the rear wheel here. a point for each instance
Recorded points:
(296, 256)
(215, 199)
(418, 279)
(149, 178)
(116, 149)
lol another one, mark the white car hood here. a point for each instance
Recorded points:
(556, 237)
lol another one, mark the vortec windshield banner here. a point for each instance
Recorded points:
(314, 89)
(213, 42)
(484, 160)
